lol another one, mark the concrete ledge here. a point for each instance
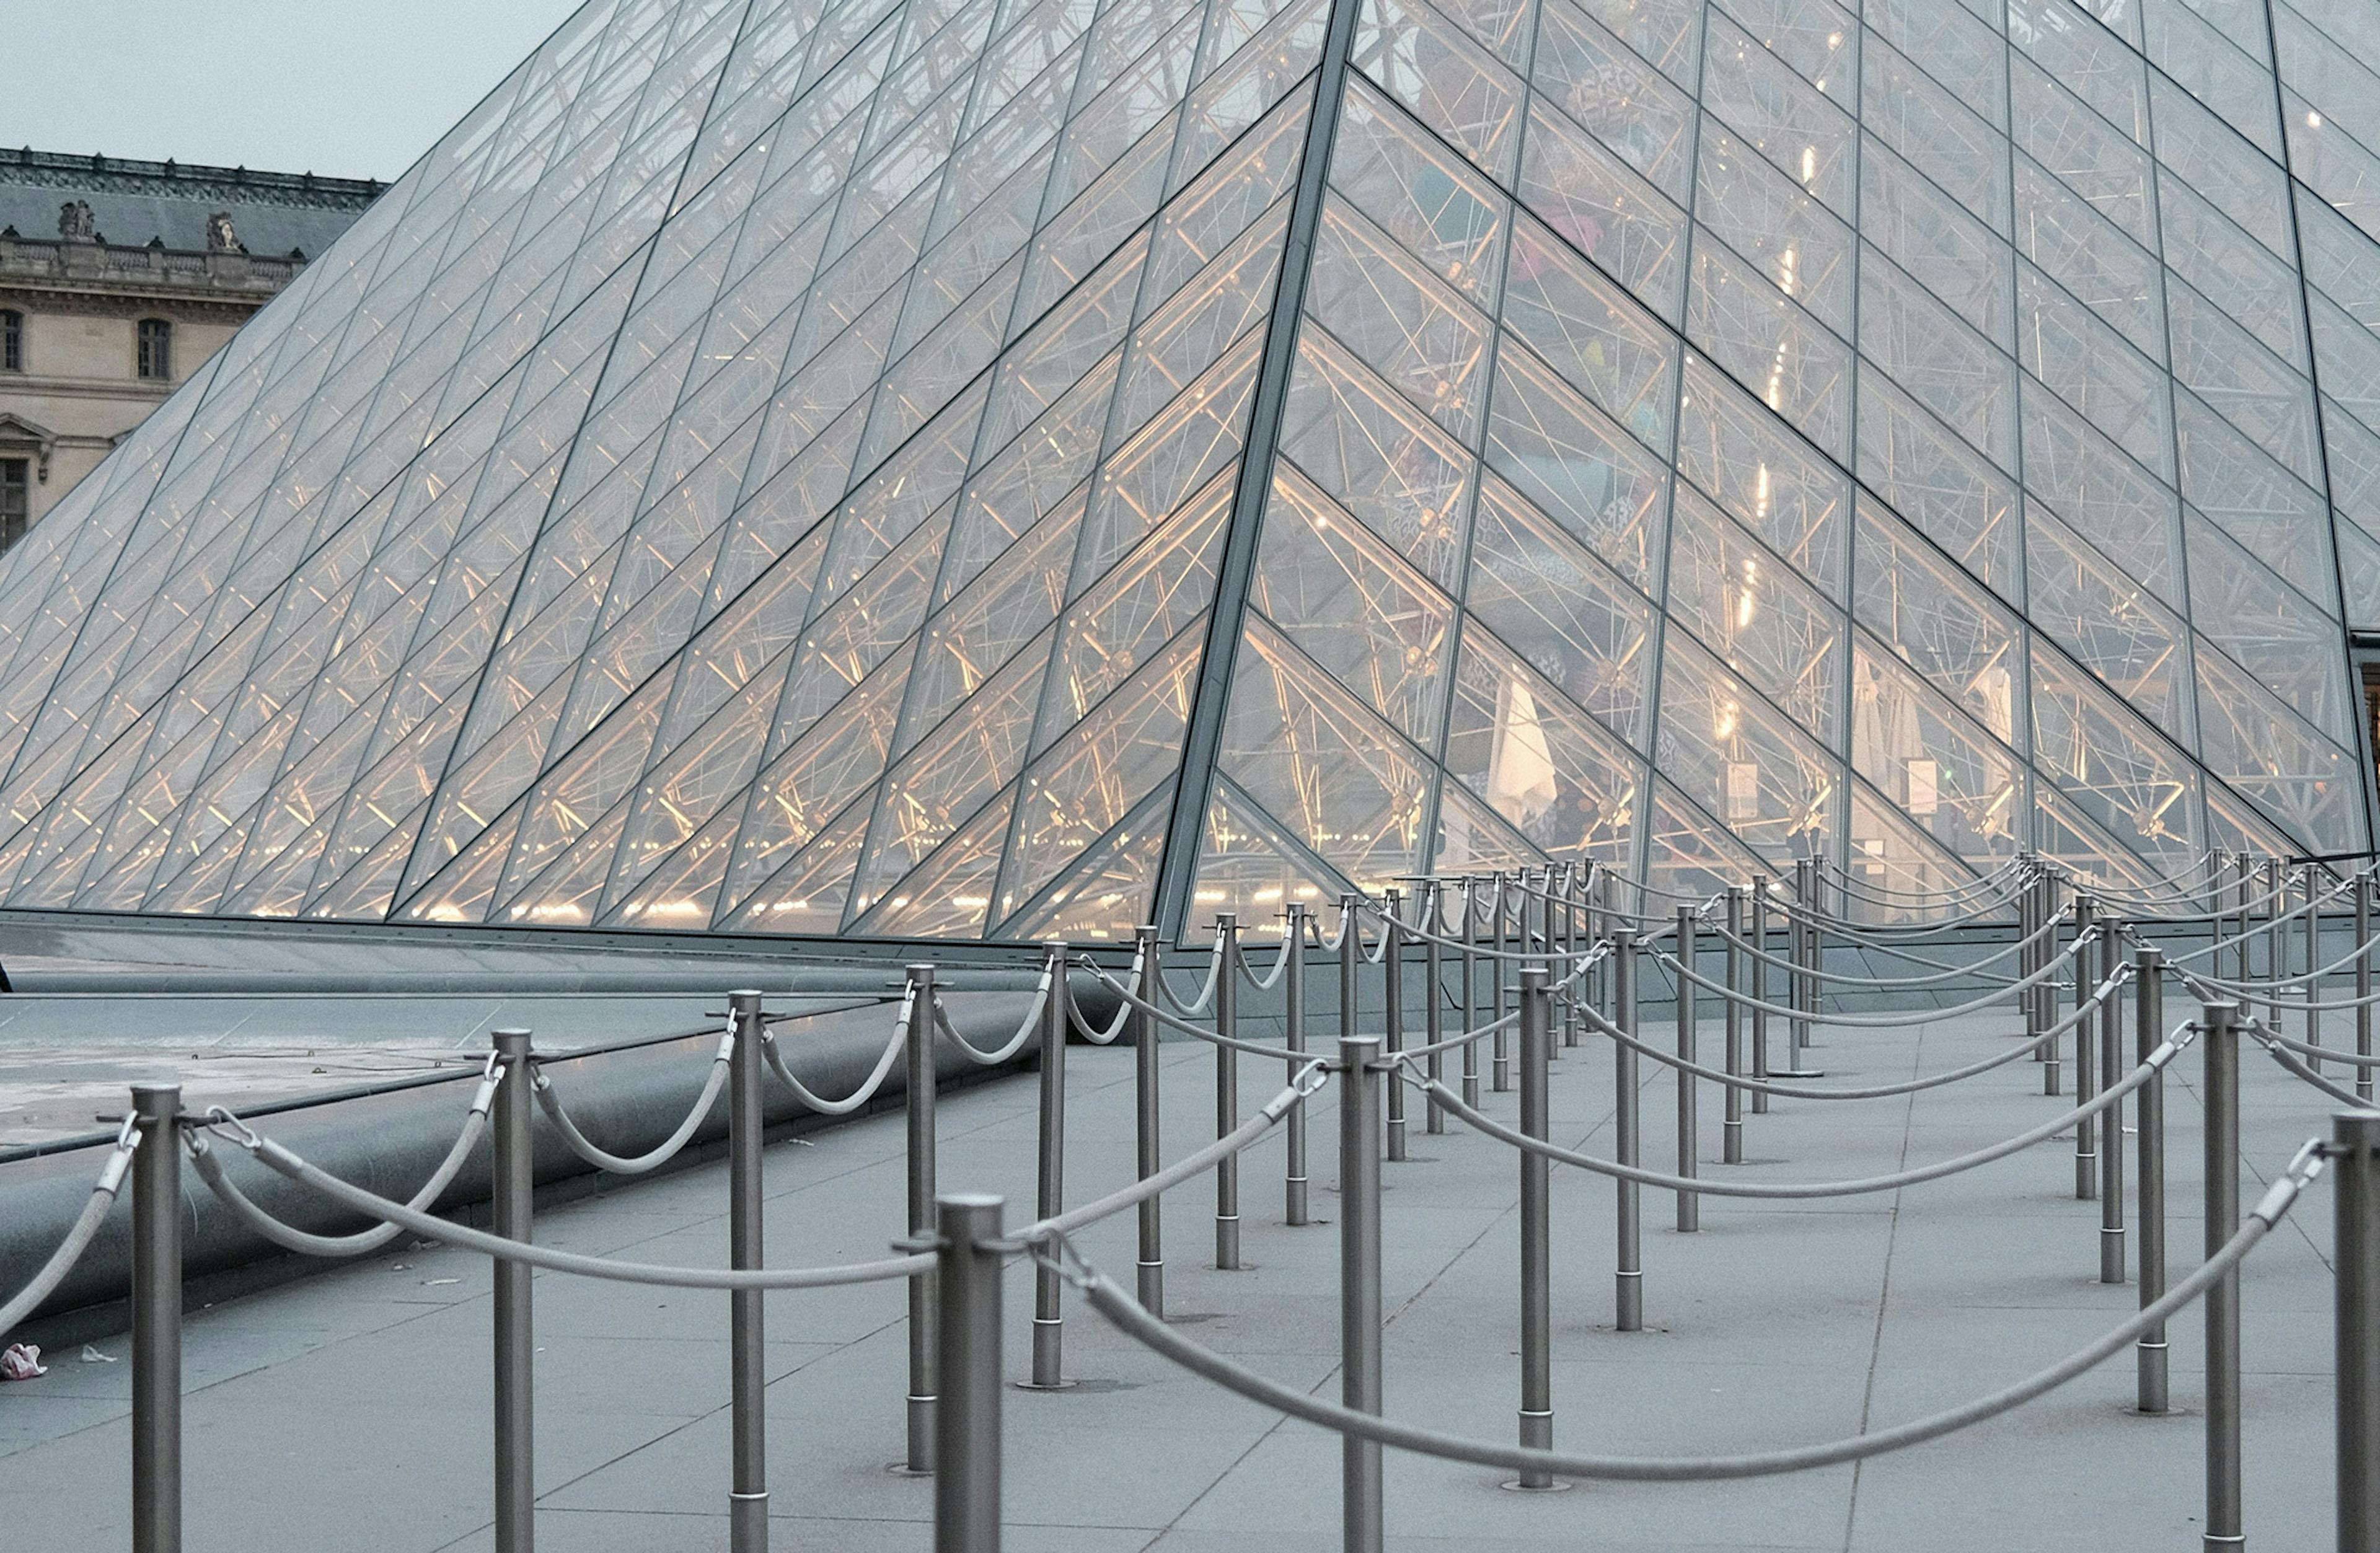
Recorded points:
(627, 1101)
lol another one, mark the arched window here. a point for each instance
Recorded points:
(157, 350)
(12, 341)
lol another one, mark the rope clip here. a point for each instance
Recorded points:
(1053, 1250)
(223, 1124)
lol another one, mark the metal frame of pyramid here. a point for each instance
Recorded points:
(1007, 468)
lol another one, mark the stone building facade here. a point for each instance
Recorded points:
(118, 279)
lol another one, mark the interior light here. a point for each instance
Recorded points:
(2313, 119)
(1809, 164)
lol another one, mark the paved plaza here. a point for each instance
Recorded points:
(352, 1411)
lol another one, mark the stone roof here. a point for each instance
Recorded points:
(132, 202)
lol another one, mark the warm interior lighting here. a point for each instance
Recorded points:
(1809, 164)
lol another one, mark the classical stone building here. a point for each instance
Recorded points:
(117, 281)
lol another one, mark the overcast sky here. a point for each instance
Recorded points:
(349, 89)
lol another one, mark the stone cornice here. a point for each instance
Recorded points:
(118, 301)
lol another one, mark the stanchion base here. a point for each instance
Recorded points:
(903, 1469)
(1046, 1385)
(1797, 1073)
(1515, 1486)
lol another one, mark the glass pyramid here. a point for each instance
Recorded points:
(1016, 468)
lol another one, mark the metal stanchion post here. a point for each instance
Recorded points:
(1536, 1226)
(2045, 992)
(2111, 1121)
(2355, 1160)
(1050, 1189)
(1805, 954)
(2244, 870)
(2086, 1065)
(512, 1181)
(1293, 1179)
(1599, 925)
(1227, 1091)
(1151, 1158)
(1433, 975)
(966, 1280)
(1351, 961)
(1628, 1276)
(1500, 1052)
(1392, 987)
(1731, 1123)
(1566, 1005)
(2364, 983)
(2148, 1033)
(747, 1489)
(1359, 1282)
(2029, 918)
(2053, 1063)
(1756, 932)
(918, 1105)
(2220, 1038)
(2275, 894)
(1470, 931)
(1689, 1204)
(2312, 963)
(157, 1318)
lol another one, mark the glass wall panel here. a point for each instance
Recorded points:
(773, 466)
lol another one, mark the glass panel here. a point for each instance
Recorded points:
(2107, 499)
(2281, 637)
(1576, 466)
(1764, 475)
(2094, 368)
(1383, 304)
(1773, 348)
(2082, 150)
(1383, 462)
(1339, 781)
(1768, 624)
(1248, 864)
(1099, 898)
(1448, 81)
(1604, 209)
(2110, 766)
(1963, 263)
(1668, 33)
(1939, 135)
(1340, 593)
(1688, 853)
(1601, 343)
(1724, 745)
(1938, 360)
(1962, 789)
(1782, 117)
(1939, 484)
(1434, 204)
(1128, 746)
(1553, 603)
(1556, 777)
(1923, 611)
(2091, 256)
(2101, 615)
(1621, 100)
(1791, 238)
